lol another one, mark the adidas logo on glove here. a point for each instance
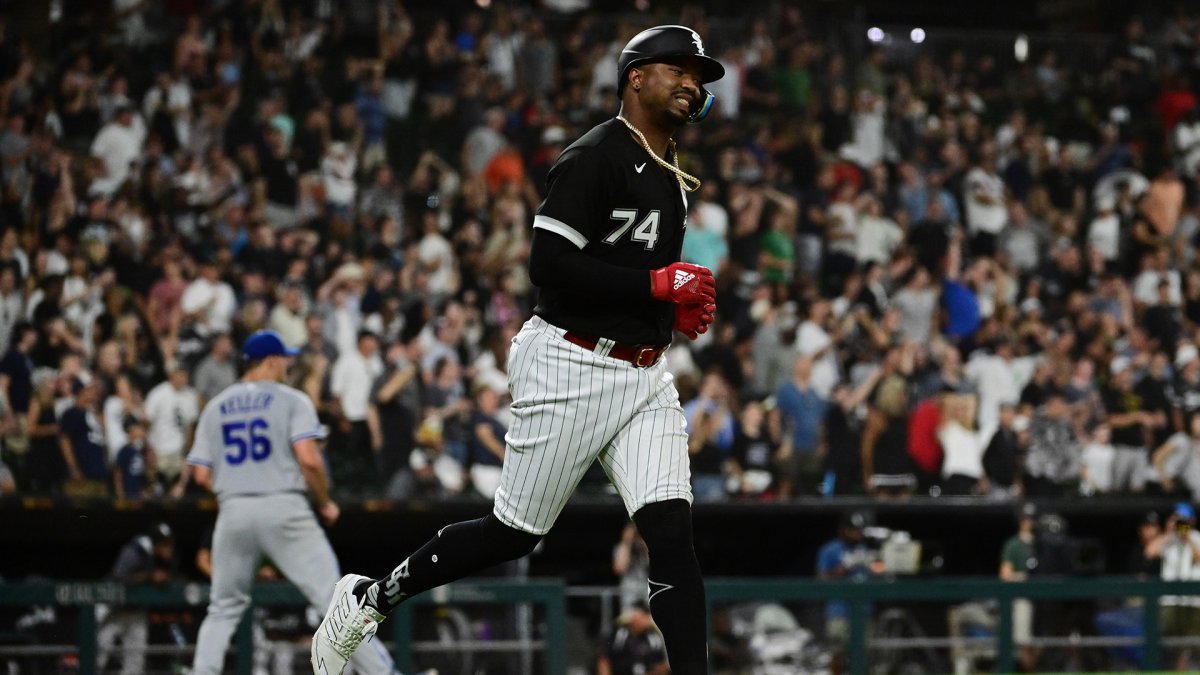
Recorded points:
(682, 277)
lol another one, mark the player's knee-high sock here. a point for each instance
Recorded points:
(456, 551)
(676, 588)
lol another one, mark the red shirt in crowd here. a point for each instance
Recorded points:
(1172, 104)
(923, 444)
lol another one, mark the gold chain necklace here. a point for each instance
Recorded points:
(682, 176)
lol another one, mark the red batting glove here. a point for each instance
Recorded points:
(683, 284)
(693, 320)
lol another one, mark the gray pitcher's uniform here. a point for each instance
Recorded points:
(245, 436)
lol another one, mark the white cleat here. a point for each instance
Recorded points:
(348, 621)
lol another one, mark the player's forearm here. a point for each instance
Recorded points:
(201, 475)
(204, 562)
(621, 559)
(64, 446)
(1125, 419)
(489, 440)
(1155, 548)
(401, 377)
(373, 425)
(555, 262)
(317, 482)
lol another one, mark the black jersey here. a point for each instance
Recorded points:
(609, 197)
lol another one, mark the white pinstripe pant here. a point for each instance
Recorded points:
(572, 406)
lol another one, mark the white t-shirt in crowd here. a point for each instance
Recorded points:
(1098, 459)
(876, 238)
(435, 249)
(337, 175)
(963, 451)
(117, 146)
(219, 316)
(115, 437)
(1178, 564)
(997, 381)
(1104, 235)
(983, 217)
(171, 413)
(290, 325)
(1145, 287)
(351, 381)
(811, 339)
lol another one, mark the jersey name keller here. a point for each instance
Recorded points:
(245, 403)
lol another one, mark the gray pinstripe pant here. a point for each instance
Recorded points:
(572, 406)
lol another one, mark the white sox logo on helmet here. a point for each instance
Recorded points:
(699, 45)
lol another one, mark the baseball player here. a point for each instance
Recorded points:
(256, 449)
(586, 374)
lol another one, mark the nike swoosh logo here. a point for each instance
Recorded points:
(639, 167)
(657, 587)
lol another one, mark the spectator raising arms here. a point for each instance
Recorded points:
(174, 178)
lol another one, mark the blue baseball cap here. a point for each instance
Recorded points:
(265, 343)
(1185, 510)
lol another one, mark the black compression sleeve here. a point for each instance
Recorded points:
(556, 262)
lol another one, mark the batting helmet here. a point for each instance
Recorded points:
(658, 43)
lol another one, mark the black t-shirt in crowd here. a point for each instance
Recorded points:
(1186, 397)
(1002, 457)
(87, 442)
(19, 369)
(1118, 402)
(753, 452)
(609, 197)
(1164, 322)
(1156, 394)
(479, 452)
(1035, 394)
(281, 174)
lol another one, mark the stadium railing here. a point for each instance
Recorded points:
(552, 595)
(858, 595)
(85, 595)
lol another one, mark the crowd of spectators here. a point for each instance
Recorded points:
(946, 273)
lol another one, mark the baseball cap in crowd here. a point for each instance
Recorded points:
(80, 382)
(265, 343)
(1120, 364)
(1185, 355)
(1151, 518)
(130, 421)
(856, 520)
(1031, 305)
(1185, 511)
(351, 270)
(231, 74)
(161, 532)
(284, 125)
(553, 134)
(1029, 511)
